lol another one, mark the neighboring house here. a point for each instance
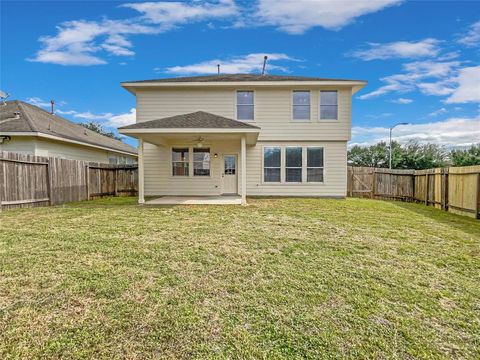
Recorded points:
(243, 134)
(28, 129)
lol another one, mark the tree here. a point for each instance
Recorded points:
(373, 156)
(409, 156)
(98, 128)
(422, 156)
(470, 156)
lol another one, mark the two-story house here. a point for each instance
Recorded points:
(258, 135)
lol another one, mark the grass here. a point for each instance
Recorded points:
(281, 278)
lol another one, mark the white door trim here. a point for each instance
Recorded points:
(229, 182)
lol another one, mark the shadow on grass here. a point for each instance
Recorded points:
(463, 223)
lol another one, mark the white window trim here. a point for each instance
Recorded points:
(172, 161)
(320, 106)
(190, 162)
(273, 167)
(292, 119)
(209, 161)
(254, 105)
(302, 167)
(314, 167)
(283, 167)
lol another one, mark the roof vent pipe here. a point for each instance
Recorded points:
(264, 64)
(52, 105)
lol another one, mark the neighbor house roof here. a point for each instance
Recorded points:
(237, 78)
(32, 119)
(195, 120)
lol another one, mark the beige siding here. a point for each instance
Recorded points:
(70, 151)
(158, 179)
(22, 145)
(44, 147)
(273, 110)
(335, 172)
(158, 171)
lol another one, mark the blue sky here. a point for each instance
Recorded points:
(421, 58)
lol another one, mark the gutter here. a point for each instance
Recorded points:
(62, 139)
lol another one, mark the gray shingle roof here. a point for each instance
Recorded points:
(34, 119)
(235, 78)
(199, 119)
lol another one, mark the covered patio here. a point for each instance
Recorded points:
(180, 139)
(196, 200)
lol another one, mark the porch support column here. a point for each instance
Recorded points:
(244, 169)
(141, 189)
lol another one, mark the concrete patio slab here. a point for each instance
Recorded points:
(196, 200)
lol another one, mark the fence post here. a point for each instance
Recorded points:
(413, 187)
(87, 180)
(477, 208)
(426, 189)
(49, 181)
(3, 186)
(115, 185)
(443, 187)
(374, 183)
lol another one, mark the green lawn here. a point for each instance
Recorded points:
(281, 278)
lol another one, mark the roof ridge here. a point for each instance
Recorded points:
(240, 77)
(25, 115)
(37, 120)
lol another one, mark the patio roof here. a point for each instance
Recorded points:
(195, 120)
(192, 124)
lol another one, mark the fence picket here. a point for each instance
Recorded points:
(454, 189)
(28, 181)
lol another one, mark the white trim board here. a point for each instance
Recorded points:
(62, 139)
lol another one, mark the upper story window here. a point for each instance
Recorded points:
(301, 105)
(245, 105)
(328, 105)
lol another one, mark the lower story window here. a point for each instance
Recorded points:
(293, 164)
(314, 164)
(272, 164)
(180, 162)
(201, 162)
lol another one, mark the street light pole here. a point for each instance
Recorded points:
(390, 144)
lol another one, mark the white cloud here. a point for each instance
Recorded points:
(170, 14)
(38, 102)
(402, 101)
(123, 119)
(78, 42)
(298, 16)
(83, 43)
(379, 116)
(107, 119)
(438, 112)
(87, 115)
(467, 86)
(472, 37)
(239, 64)
(429, 77)
(400, 49)
(450, 132)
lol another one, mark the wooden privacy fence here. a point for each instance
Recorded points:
(454, 189)
(29, 181)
